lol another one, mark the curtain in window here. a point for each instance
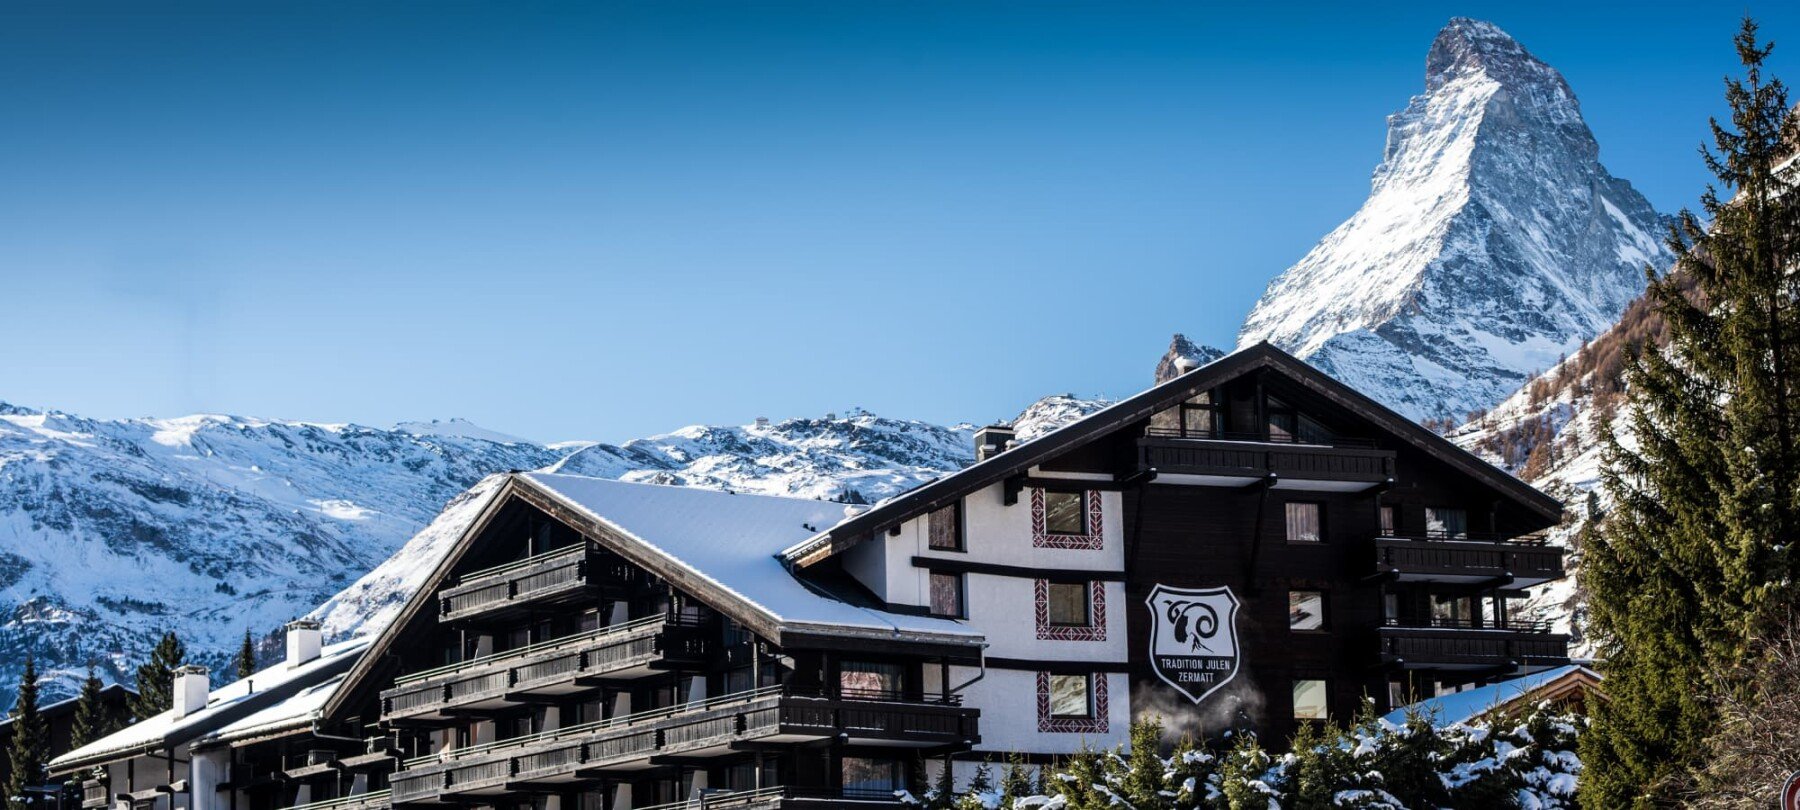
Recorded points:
(1303, 523)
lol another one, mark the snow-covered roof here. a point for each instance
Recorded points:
(733, 540)
(1461, 707)
(301, 709)
(262, 692)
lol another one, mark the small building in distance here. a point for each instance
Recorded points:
(59, 719)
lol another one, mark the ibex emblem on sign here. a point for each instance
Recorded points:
(1193, 638)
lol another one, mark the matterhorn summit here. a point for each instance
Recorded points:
(1492, 241)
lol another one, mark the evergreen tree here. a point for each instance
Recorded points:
(156, 677)
(93, 719)
(1140, 783)
(1243, 776)
(1695, 561)
(246, 657)
(1015, 783)
(30, 746)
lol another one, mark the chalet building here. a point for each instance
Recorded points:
(1250, 545)
(250, 745)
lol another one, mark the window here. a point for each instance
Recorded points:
(1387, 520)
(1070, 696)
(1066, 520)
(1452, 611)
(1303, 523)
(1069, 604)
(1065, 513)
(1306, 610)
(1390, 606)
(945, 527)
(1399, 693)
(1281, 421)
(1192, 418)
(1309, 700)
(1445, 522)
(869, 680)
(946, 594)
(871, 776)
(1198, 421)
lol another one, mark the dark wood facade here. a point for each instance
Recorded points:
(551, 670)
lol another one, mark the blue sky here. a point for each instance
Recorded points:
(607, 220)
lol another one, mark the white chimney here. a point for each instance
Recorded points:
(303, 641)
(189, 691)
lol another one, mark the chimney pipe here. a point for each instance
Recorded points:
(189, 691)
(993, 440)
(304, 641)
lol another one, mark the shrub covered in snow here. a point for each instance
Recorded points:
(1525, 762)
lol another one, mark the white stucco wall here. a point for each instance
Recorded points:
(1009, 714)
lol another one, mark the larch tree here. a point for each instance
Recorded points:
(1693, 565)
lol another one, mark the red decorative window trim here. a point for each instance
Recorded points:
(1042, 538)
(1096, 627)
(1072, 725)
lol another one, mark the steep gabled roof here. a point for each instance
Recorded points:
(721, 546)
(1141, 406)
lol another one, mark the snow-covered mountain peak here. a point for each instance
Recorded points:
(458, 427)
(1492, 241)
(1183, 353)
(1466, 45)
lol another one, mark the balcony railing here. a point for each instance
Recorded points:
(1467, 557)
(362, 801)
(1221, 458)
(1455, 643)
(555, 666)
(1264, 437)
(557, 573)
(698, 729)
(1461, 623)
(784, 796)
(95, 793)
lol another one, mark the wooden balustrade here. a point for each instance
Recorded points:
(1250, 460)
(706, 728)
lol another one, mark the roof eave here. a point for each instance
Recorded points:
(1140, 406)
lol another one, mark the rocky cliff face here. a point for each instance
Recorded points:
(1492, 243)
(1183, 353)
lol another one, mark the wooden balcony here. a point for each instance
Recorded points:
(502, 590)
(1229, 460)
(557, 667)
(718, 727)
(95, 793)
(375, 800)
(1468, 559)
(785, 796)
(1441, 644)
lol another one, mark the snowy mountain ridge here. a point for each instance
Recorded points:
(1492, 242)
(112, 531)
